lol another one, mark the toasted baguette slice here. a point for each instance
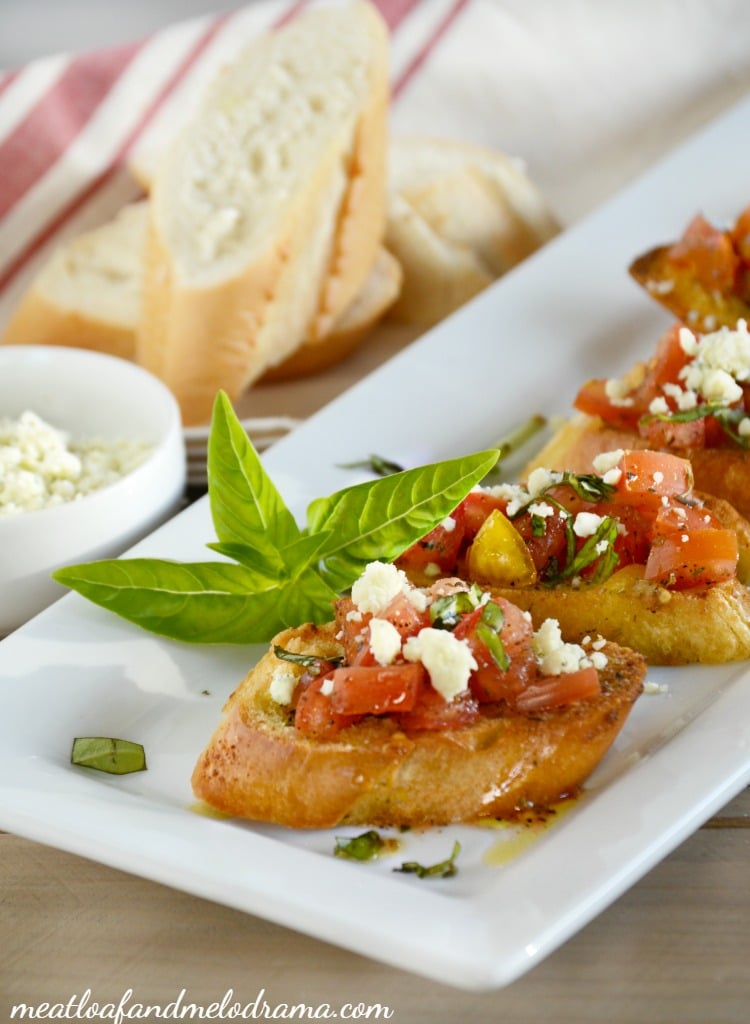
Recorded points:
(268, 210)
(258, 766)
(722, 472)
(88, 295)
(459, 217)
(704, 625)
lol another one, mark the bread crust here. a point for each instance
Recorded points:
(38, 321)
(257, 766)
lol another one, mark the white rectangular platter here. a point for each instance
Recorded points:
(522, 347)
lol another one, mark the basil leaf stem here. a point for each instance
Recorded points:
(104, 754)
(445, 869)
(376, 464)
(600, 545)
(307, 660)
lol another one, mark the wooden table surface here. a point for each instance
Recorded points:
(674, 949)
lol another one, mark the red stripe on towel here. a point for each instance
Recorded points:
(39, 141)
(419, 58)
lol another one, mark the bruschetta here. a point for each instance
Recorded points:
(691, 398)
(630, 551)
(416, 706)
(703, 278)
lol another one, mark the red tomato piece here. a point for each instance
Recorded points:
(548, 547)
(490, 682)
(402, 614)
(439, 547)
(558, 691)
(699, 558)
(352, 625)
(475, 508)
(673, 433)
(670, 357)
(376, 690)
(647, 476)
(594, 401)
(433, 713)
(314, 715)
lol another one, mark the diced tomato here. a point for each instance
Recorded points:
(475, 508)
(670, 357)
(314, 715)
(647, 476)
(376, 690)
(677, 517)
(709, 254)
(439, 547)
(558, 691)
(434, 713)
(490, 682)
(693, 559)
(672, 433)
(353, 628)
(407, 619)
(594, 401)
(547, 548)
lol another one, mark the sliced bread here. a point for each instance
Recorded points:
(268, 210)
(459, 217)
(88, 295)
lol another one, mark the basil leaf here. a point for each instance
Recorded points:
(268, 563)
(445, 869)
(446, 612)
(366, 846)
(116, 757)
(588, 486)
(198, 602)
(245, 506)
(380, 519)
(306, 660)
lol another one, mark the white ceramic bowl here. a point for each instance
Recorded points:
(90, 396)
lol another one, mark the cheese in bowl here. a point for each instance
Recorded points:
(92, 458)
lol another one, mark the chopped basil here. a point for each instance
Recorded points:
(446, 612)
(376, 464)
(116, 757)
(445, 869)
(366, 846)
(307, 660)
(488, 631)
(604, 537)
(588, 486)
(538, 526)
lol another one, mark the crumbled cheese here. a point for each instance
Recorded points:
(719, 360)
(658, 405)
(607, 465)
(555, 657)
(618, 391)
(449, 524)
(653, 688)
(541, 508)
(586, 524)
(541, 479)
(385, 641)
(282, 686)
(432, 569)
(41, 466)
(326, 687)
(377, 586)
(448, 660)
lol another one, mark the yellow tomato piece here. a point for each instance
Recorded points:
(499, 555)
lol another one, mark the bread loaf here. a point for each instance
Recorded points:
(268, 210)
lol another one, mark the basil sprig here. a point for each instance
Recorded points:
(599, 547)
(279, 573)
